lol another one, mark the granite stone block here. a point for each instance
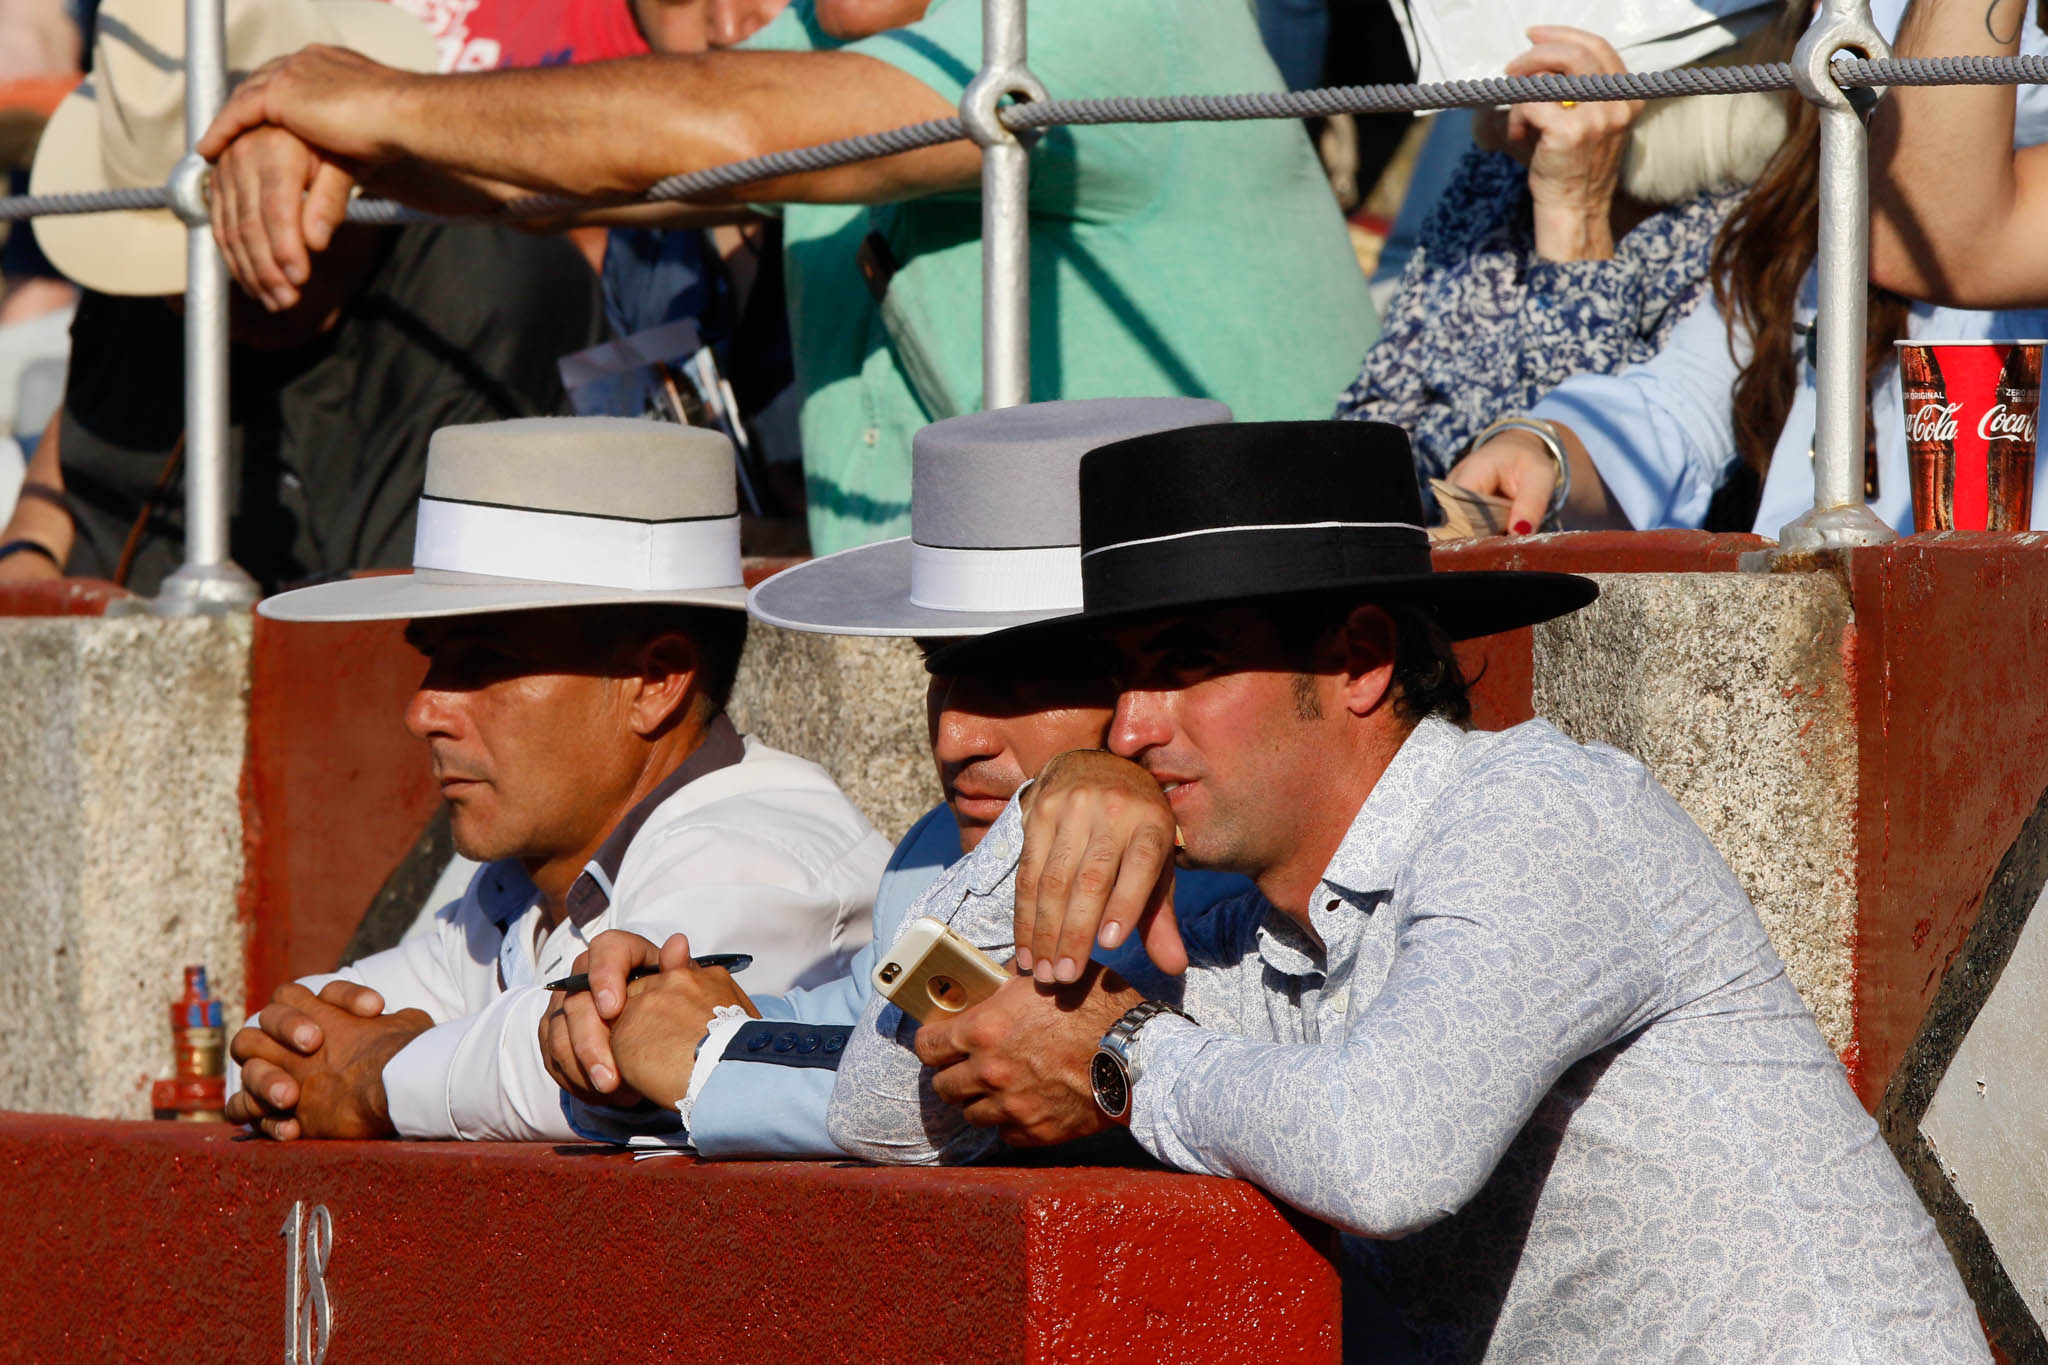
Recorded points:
(122, 742)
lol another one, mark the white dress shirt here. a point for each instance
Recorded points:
(744, 848)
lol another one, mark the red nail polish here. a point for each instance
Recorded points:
(1523, 528)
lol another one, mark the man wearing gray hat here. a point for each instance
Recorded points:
(576, 590)
(994, 543)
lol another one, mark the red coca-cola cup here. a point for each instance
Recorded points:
(1970, 423)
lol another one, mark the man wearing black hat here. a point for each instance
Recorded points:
(1511, 1021)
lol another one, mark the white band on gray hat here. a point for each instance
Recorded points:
(570, 547)
(1043, 578)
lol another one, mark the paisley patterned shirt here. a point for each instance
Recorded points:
(1481, 327)
(1544, 1066)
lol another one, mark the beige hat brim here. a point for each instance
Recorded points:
(414, 596)
(138, 251)
(142, 252)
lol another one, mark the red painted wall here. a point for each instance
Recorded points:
(500, 1252)
(1950, 665)
(334, 791)
(59, 597)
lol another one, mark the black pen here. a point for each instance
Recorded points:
(732, 962)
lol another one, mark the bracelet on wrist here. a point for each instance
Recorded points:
(35, 547)
(1552, 437)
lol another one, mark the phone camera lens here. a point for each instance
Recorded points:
(947, 993)
(890, 971)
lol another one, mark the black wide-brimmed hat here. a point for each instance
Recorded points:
(1228, 514)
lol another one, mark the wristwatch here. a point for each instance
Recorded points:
(1114, 1074)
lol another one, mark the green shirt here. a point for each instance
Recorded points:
(1206, 259)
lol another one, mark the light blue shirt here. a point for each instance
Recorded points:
(751, 1108)
(1543, 1061)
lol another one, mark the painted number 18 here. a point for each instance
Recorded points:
(308, 1315)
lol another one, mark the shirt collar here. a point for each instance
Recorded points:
(995, 858)
(1378, 844)
(591, 894)
(1390, 823)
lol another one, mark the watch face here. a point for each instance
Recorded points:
(1112, 1088)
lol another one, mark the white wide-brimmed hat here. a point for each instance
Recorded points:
(995, 525)
(556, 512)
(124, 126)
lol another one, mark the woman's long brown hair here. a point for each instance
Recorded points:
(1760, 259)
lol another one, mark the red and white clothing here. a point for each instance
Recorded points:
(484, 35)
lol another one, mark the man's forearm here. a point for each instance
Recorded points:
(615, 128)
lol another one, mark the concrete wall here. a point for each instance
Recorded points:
(853, 705)
(121, 744)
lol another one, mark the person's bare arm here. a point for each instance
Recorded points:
(611, 129)
(1958, 215)
(39, 514)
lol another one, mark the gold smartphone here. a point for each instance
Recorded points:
(933, 973)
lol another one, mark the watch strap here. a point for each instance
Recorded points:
(1123, 1035)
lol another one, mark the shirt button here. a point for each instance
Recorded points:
(756, 1042)
(872, 436)
(784, 1042)
(807, 1043)
(836, 1043)
(1331, 906)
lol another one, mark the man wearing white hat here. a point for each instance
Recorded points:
(576, 590)
(399, 331)
(995, 542)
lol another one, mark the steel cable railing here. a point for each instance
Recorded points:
(1040, 115)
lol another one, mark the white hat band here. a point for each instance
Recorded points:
(587, 550)
(1046, 578)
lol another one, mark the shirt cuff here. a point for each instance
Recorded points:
(1164, 1049)
(725, 1022)
(416, 1082)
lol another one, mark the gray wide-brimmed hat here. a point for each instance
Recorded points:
(556, 512)
(995, 525)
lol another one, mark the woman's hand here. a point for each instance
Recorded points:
(1514, 465)
(1573, 151)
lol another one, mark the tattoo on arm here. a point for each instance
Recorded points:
(1991, 20)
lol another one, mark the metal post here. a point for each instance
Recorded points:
(1840, 518)
(208, 581)
(1005, 205)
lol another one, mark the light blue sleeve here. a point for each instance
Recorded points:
(1662, 433)
(752, 1106)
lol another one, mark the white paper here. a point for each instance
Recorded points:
(1460, 40)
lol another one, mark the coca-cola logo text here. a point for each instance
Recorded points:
(1933, 422)
(2002, 421)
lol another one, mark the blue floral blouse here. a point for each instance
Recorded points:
(1481, 327)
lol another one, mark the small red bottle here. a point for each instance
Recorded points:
(196, 1089)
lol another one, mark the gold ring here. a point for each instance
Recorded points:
(1568, 104)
